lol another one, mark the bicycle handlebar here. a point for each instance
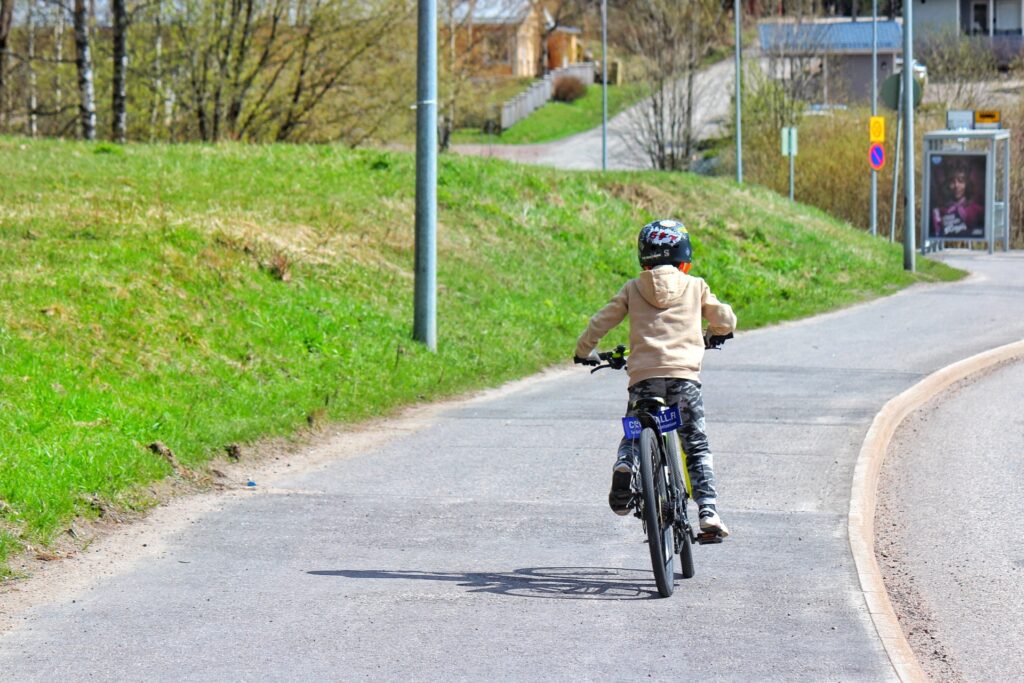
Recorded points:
(616, 358)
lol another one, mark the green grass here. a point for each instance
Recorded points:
(207, 295)
(556, 120)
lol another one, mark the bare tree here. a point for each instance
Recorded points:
(83, 61)
(958, 67)
(670, 38)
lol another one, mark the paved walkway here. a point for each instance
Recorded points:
(479, 545)
(583, 151)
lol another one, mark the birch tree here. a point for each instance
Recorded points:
(6, 20)
(83, 62)
(119, 98)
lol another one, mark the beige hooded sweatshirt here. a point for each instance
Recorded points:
(665, 307)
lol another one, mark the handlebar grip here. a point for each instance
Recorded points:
(583, 361)
(715, 341)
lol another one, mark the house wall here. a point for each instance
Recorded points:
(528, 37)
(850, 76)
(1008, 15)
(932, 15)
(563, 49)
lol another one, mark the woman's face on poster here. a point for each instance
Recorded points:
(958, 186)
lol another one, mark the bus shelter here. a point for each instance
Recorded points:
(966, 188)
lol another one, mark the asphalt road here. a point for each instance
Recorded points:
(952, 501)
(480, 545)
(582, 151)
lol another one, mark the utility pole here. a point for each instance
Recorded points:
(425, 295)
(739, 89)
(604, 85)
(909, 203)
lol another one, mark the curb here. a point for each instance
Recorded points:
(861, 520)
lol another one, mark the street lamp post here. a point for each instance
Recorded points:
(604, 85)
(425, 287)
(909, 203)
(739, 90)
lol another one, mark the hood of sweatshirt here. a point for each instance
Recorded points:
(662, 286)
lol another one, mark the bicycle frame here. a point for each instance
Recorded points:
(665, 421)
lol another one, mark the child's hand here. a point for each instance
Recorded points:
(591, 359)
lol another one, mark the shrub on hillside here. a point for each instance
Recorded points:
(569, 89)
(1015, 122)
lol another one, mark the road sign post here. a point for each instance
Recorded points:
(789, 150)
(874, 110)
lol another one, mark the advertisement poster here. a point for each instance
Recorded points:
(957, 196)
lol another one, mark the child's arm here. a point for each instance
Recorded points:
(720, 317)
(608, 317)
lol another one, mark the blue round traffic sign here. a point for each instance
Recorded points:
(876, 156)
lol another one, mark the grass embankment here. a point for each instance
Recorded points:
(557, 120)
(202, 296)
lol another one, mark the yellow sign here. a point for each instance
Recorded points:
(877, 129)
(986, 116)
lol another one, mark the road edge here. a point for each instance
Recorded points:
(863, 497)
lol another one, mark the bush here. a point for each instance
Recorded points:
(569, 89)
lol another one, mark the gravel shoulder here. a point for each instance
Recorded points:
(948, 534)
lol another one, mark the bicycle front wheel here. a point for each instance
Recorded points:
(657, 510)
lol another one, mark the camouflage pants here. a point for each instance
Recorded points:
(699, 461)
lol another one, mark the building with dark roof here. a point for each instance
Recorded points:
(835, 55)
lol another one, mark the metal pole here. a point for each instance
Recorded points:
(604, 85)
(1006, 194)
(739, 89)
(425, 308)
(874, 109)
(909, 204)
(792, 134)
(896, 166)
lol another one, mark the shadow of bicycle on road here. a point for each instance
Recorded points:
(558, 583)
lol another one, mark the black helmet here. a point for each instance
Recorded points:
(664, 242)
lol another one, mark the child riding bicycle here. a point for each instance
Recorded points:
(665, 306)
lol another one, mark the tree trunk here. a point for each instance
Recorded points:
(58, 42)
(33, 124)
(158, 71)
(119, 100)
(83, 61)
(6, 16)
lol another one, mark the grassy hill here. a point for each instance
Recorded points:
(207, 295)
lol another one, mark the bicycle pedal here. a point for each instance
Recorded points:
(708, 538)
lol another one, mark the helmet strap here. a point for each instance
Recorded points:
(685, 267)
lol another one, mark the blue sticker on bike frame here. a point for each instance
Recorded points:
(669, 420)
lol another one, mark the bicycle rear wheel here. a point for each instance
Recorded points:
(683, 545)
(657, 509)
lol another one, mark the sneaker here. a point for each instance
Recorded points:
(622, 480)
(710, 522)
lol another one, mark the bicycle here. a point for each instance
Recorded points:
(661, 498)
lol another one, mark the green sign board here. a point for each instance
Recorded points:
(789, 142)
